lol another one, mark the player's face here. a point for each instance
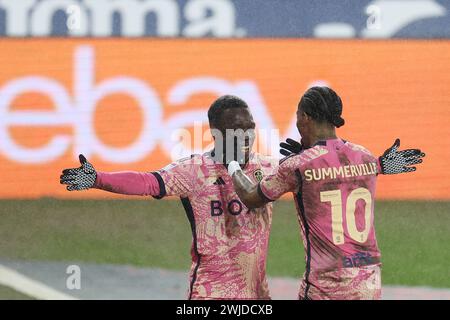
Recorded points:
(304, 126)
(237, 128)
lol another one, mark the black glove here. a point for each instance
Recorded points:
(290, 147)
(393, 161)
(79, 178)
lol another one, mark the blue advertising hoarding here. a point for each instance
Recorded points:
(226, 18)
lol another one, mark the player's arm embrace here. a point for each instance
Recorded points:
(391, 161)
(245, 188)
(270, 188)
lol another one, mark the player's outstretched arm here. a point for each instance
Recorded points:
(126, 182)
(245, 188)
(393, 161)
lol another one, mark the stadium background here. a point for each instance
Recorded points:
(115, 89)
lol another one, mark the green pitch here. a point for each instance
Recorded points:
(414, 237)
(10, 294)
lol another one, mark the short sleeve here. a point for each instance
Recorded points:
(282, 181)
(176, 179)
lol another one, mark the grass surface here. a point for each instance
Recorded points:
(414, 237)
(10, 294)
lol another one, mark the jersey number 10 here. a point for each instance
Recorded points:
(335, 197)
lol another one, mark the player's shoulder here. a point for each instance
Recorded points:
(358, 148)
(316, 151)
(186, 162)
(265, 160)
(304, 157)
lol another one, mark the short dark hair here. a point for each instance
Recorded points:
(323, 104)
(221, 104)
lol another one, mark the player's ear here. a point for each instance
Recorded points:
(306, 116)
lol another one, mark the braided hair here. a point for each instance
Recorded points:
(323, 104)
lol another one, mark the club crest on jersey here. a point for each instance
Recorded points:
(258, 175)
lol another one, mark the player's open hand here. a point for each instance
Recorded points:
(393, 161)
(290, 147)
(79, 178)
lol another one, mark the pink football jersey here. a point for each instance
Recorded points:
(334, 188)
(230, 242)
